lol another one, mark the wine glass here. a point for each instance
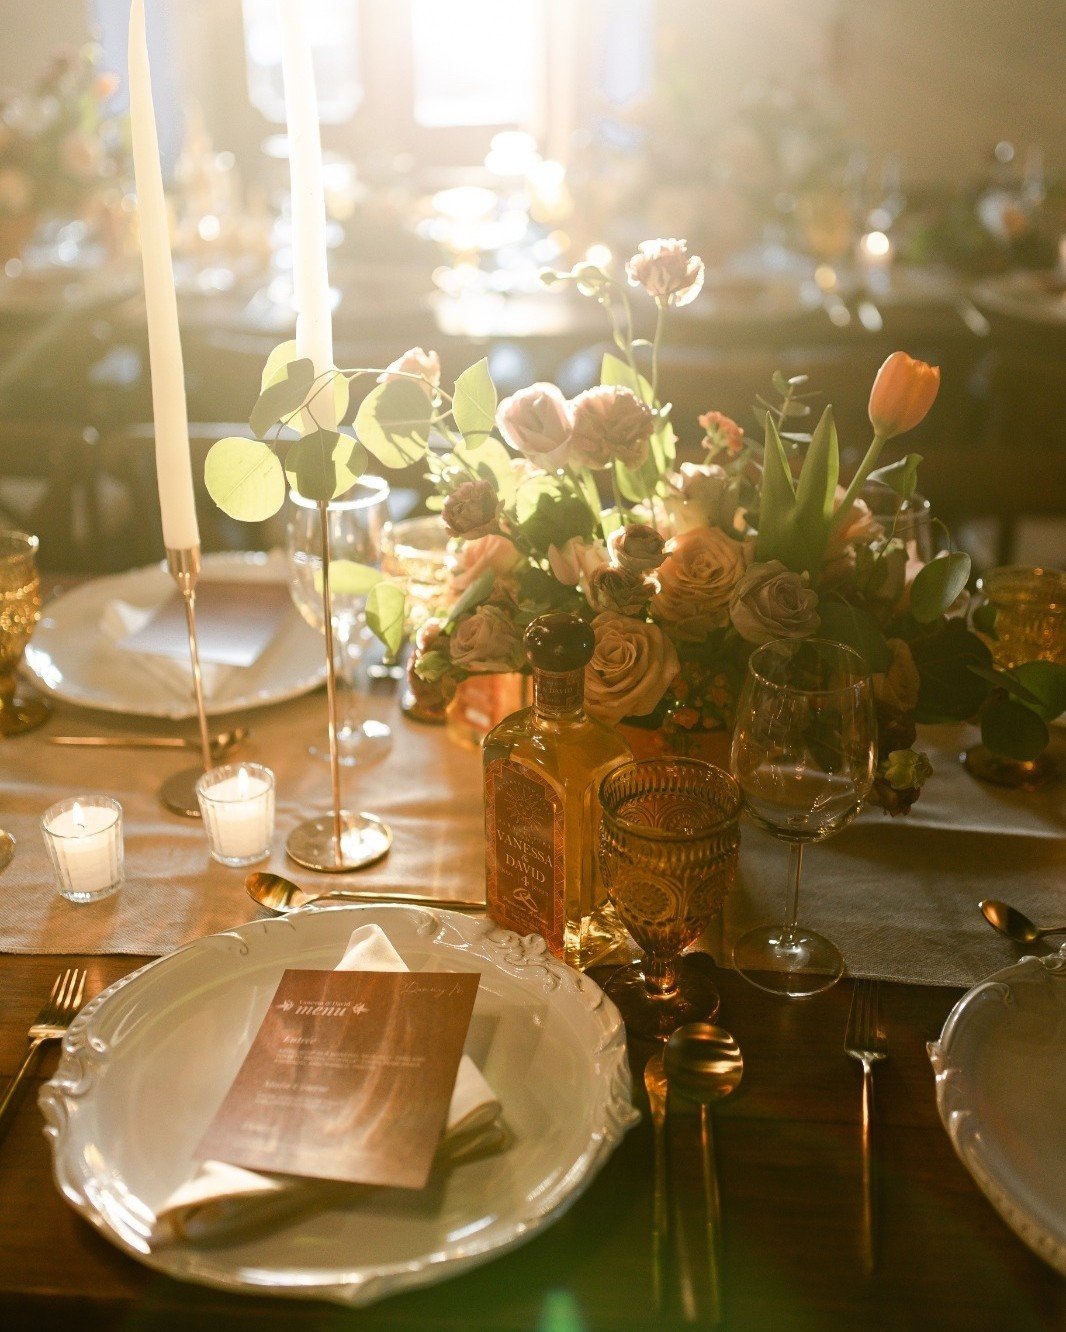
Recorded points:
(355, 527)
(804, 753)
(669, 837)
(20, 608)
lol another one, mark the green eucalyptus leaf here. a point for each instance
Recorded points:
(245, 479)
(490, 462)
(304, 420)
(857, 629)
(474, 404)
(310, 466)
(902, 476)
(616, 372)
(348, 578)
(276, 362)
(779, 382)
(1013, 687)
(393, 423)
(1046, 681)
(948, 689)
(638, 485)
(1013, 730)
(385, 611)
(937, 584)
(435, 503)
(984, 619)
(283, 396)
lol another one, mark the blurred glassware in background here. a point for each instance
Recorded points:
(1030, 620)
(20, 608)
(355, 529)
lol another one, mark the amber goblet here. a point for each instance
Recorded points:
(669, 837)
(20, 608)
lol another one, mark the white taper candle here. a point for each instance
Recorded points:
(314, 325)
(173, 461)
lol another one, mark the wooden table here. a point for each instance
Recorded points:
(789, 1160)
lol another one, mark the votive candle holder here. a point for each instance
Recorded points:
(83, 836)
(237, 805)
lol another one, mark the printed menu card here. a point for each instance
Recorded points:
(349, 1077)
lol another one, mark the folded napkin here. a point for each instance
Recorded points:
(120, 620)
(222, 1200)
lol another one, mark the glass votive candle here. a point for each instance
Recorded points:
(237, 804)
(84, 840)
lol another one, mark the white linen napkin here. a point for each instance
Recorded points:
(222, 1199)
(119, 620)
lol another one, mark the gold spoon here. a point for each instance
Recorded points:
(1014, 923)
(703, 1063)
(220, 743)
(281, 895)
(656, 1087)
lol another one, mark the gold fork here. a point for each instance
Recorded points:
(51, 1024)
(865, 1041)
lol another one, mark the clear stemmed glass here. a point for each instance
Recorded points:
(355, 527)
(20, 608)
(669, 838)
(804, 752)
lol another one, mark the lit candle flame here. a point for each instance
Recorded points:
(242, 783)
(78, 817)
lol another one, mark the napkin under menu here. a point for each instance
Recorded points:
(349, 1077)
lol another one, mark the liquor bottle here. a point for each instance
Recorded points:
(543, 767)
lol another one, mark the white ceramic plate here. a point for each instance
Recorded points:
(71, 659)
(1000, 1068)
(145, 1065)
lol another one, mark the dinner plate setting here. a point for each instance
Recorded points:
(72, 658)
(146, 1064)
(1000, 1065)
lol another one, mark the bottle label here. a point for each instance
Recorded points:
(558, 693)
(526, 851)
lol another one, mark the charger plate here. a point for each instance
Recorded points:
(146, 1063)
(70, 657)
(1000, 1067)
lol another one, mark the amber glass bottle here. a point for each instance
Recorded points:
(543, 767)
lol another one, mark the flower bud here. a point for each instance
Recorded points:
(902, 394)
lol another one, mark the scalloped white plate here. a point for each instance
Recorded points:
(71, 659)
(145, 1065)
(1000, 1067)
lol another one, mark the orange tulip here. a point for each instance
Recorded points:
(902, 394)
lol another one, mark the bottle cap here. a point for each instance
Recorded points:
(559, 642)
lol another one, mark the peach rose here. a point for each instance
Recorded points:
(471, 510)
(487, 642)
(666, 270)
(538, 423)
(575, 560)
(415, 361)
(696, 581)
(473, 557)
(633, 666)
(697, 498)
(611, 423)
(613, 589)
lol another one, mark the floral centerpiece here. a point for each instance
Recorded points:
(681, 569)
(59, 146)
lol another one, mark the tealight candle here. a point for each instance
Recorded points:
(84, 841)
(237, 804)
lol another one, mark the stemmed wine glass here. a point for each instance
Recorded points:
(804, 753)
(355, 527)
(669, 839)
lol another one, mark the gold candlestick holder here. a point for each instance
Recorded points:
(178, 792)
(341, 840)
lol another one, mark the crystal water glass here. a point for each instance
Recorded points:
(356, 523)
(804, 753)
(669, 840)
(20, 608)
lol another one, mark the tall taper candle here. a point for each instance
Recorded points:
(314, 326)
(173, 462)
